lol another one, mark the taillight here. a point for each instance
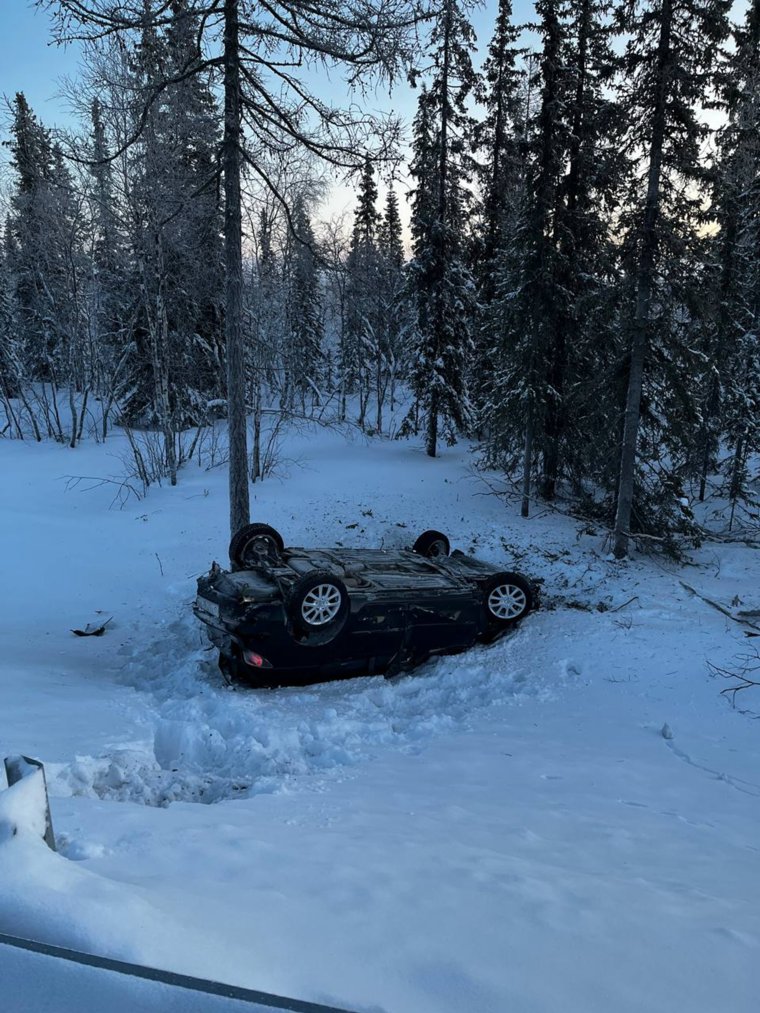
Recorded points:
(255, 660)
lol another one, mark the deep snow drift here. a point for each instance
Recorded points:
(506, 829)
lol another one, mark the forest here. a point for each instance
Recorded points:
(577, 293)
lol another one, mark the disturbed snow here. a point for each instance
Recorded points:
(509, 828)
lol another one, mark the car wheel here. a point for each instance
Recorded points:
(508, 597)
(255, 543)
(432, 544)
(319, 605)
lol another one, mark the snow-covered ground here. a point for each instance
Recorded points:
(508, 829)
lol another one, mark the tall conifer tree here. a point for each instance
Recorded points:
(443, 288)
(731, 404)
(668, 73)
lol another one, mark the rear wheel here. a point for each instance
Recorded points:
(508, 597)
(432, 544)
(255, 544)
(319, 606)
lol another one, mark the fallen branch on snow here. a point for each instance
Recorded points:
(619, 607)
(716, 605)
(749, 664)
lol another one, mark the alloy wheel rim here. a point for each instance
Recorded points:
(321, 604)
(507, 601)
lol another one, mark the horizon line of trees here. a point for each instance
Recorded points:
(582, 298)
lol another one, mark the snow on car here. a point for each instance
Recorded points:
(293, 616)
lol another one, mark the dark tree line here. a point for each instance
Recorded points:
(612, 247)
(582, 293)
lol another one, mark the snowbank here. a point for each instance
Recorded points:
(506, 829)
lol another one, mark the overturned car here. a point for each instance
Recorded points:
(293, 616)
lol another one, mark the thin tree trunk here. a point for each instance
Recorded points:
(82, 415)
(364, 388)
(158, 333)
(58, 435)
(527, 460)
(233, 256)
(74, 415)
(705, 467)
(380, 395)
(644, 281)
(736, 472)
(708, 442)
(431, 427)
(256, 456)
(32, 417)
(555, 416)
(728, 233)
(162, 334)
(549, 335)
(9, 409)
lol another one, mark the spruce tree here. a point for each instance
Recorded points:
(305, 327)
(390, 237)
(731, 403)
(441, 282)
(361, 346)
(523, 319)
(10, 365)
(48, 267)
(104, 205)
(110, 272)
(668, 73)
(28, 228)
(500, 137)
(582, 347)
(393, 310)
(175, 232)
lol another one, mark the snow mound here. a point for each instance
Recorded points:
(211, 742)
(44, 896)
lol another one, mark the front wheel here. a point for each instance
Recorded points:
(319, 606)
(508, 597)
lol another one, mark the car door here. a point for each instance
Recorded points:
(376, 632)
(443, 620)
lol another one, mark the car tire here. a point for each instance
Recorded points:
(507, 598)
(318, 605)
(253, 543)
(432, 544)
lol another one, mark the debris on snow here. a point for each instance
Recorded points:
(91, 630)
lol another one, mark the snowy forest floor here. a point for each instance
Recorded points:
(508, 829)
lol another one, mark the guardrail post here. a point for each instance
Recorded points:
(17, 767)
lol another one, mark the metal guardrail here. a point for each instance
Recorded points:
(18, 767)
(214, 988)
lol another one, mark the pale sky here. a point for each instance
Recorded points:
(29, 62)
